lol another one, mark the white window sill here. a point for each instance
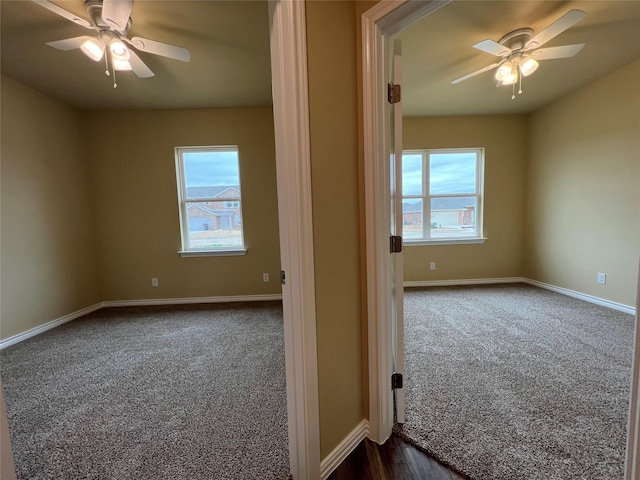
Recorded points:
(213, 253)
(443, 241)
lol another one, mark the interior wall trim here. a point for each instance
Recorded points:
(464, 281)
(32, 332)
(547, 286)
(344, 448)
(295, 212)
(378, 23)
(189, 300)
(632, 461)
(583, 296)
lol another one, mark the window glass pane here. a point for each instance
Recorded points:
(453, 217)
(452, 173)
(214, 224)
(209, 174)
(412, 174)
(411, 218)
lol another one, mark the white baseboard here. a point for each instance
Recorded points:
(47, 326)
(582, 296)
(565, 291)
(342, 451)
(188, 300)
(467, 281)
(130, 303)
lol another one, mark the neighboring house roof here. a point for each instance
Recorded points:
(440, 203)
(212, 191)
(452, 203)
(223, 213)
(411, 207)
(216, 213)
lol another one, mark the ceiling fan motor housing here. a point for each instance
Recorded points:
(516, 40)
(94, 9)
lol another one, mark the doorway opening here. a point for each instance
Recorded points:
(379, 24)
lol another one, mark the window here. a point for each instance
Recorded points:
(210, 201)
(442, 195)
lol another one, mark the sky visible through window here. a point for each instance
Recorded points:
(210, 169)
(450, 173)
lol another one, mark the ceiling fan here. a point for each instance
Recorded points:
(111, 19)
(520, 50)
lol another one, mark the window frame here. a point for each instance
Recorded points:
(427, 196)
(186, 250)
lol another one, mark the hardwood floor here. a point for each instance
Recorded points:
(395, 460)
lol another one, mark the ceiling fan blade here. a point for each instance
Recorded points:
(569, 19)
(494, 48)
(477, 72)
(68, 43)
(63, 13)
(564, 51)
(163, 49)
(139, 67)
(116, 13)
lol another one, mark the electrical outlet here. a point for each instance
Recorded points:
(602, 278)
(432, 266)
(154, 282)
(265, 277)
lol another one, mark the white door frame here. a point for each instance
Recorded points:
(293, 165)
(381, 21)
(632, 463)
(378, 23)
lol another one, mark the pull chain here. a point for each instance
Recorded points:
(106, 71)
(520, 78)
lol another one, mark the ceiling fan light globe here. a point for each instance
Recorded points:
(510, 79)
(119, 50)
(528, 66)
(93, 48)
(503, 71)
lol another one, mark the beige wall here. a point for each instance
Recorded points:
(584, 189)
(87, 219)
(504, 138)
(136, 202)
(48, 251)
(331, 37)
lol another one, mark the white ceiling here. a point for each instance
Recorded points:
(230, 66)
(228, 41)
(438, 49)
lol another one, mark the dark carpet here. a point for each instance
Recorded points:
(188, 392)
(516, 382)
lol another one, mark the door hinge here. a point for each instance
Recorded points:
(283, 280)
(393, 93)
(396, 381)
(396, 244)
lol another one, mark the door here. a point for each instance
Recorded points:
(397, 276)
